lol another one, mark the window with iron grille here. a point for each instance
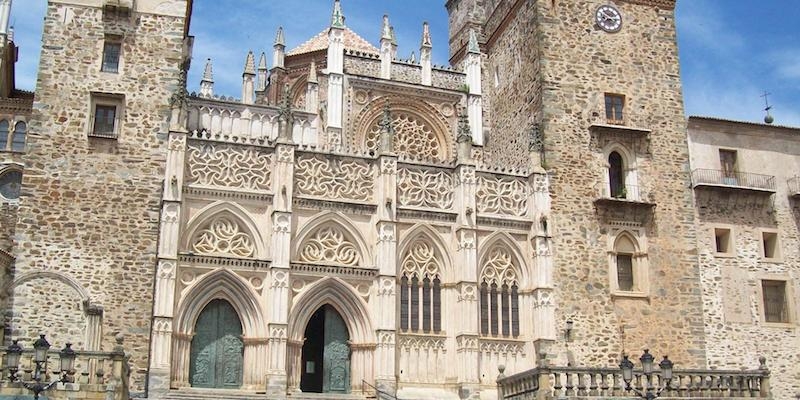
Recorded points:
(111, 54)
(615, 104)
(105, 117)
(774, 297)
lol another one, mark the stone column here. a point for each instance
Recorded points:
(361, 365)
(164, 296)
(277, 294)
(467, 329)
(384, 308)
(472, 68)
(181, 344)
(294, 368)
(543, 319)
(254, 374)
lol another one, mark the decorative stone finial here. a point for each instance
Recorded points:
(337, 19)
(464, 131)
(413, 58)
(762, 363)
(312, 72)
(394, 37)
(280, 40)
(426, 35)
(208, 72)
(386, 30)
(474, 47)
(387, 131)
(262, 62)
(250, 64)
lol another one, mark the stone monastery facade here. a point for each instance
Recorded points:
(359, 223)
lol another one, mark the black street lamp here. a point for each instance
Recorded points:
(40, 348)
(647, 359)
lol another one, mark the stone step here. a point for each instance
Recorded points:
(223, 394)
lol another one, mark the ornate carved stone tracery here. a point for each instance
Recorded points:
(330, 245)
(507, 196)
(223, 236)
(426, 188)
(421, 260)
(228, 166)
(334, 178)
(499, 268)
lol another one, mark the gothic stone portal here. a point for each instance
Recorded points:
(326, 354)
(217, 348)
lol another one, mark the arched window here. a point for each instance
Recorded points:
(3, 135)
(421, 290)
(18, 140)
(628, 264)
(499, 295)
(616, 176)
(10, 183)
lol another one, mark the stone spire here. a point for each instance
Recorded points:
(249, 79)
(337, 18)
(312, 89)
(262, 73)
(250, 64)
(279, 49)
(312, 72)
(5, 16)
(386, 29)
(425, 51)
(207, 82)
(387, 50)
(472, 70)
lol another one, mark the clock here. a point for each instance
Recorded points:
(608, 18)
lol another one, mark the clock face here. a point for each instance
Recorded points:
(608, 18)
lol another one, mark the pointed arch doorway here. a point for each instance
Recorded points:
(217, 349)
(326, 353)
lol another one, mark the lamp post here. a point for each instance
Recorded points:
(647, 359)
(40, 348)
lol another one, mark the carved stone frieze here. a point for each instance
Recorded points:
(413, 139)
(421, 342)
(334, 178)
(502, 347)
(506, 196)
(228, 166)
(425, 188)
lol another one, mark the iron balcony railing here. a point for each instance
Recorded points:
(742, 180)
(794, 186)
(631, 193)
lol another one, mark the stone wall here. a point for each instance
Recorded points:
(89, 210)
(8, 218)
(560, 65)
(732, 296)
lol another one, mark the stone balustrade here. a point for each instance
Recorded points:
(589, 383)
(794, 186)
(245, 123)
(95, 375)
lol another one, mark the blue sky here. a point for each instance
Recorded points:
(731, 51)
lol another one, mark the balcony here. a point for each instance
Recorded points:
(733, 180)
(794, 186)
(594, 383)
(626, 194)
(630, 123)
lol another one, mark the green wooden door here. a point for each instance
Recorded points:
(217, 348)
(336, 354)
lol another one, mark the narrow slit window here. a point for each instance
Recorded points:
(414, 303)
(404, 304)
(426, 305)
(625, 272)
(484, 308)
(437, 305)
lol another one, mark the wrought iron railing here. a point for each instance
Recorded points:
(745, 180)
(794, 186)
(573, 382)
(622, 192)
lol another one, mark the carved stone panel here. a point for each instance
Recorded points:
(330, 245)
(228, 166)
(425, 188)
(223, 236)
(334, 178)
(506, 196)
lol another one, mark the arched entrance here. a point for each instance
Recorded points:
(217, 348)
(326, 353)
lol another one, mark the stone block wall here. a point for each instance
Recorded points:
(8, 218)
(90, 207)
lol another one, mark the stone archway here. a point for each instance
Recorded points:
(341, 298)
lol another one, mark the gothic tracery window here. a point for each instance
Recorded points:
(499, 295)
(421, 290)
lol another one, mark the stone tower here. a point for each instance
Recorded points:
(594, 87)
(87, 232)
